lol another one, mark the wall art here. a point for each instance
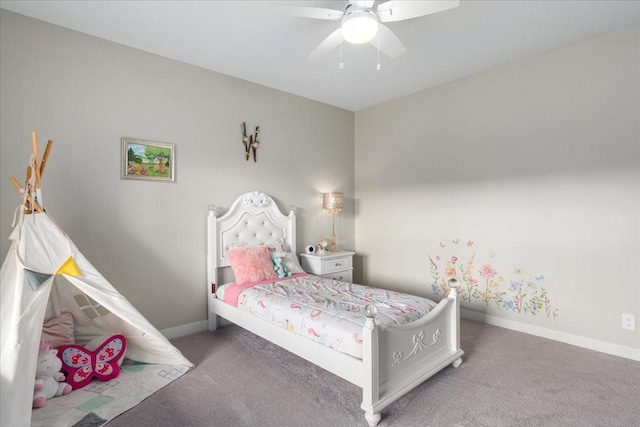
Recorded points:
(147, 160)
(251, 142)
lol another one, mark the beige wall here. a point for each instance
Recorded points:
(148, 238)
(537, 163)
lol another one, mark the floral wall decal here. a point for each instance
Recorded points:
(480, 281)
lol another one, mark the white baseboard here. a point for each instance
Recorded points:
(183, 330)
(591, 344)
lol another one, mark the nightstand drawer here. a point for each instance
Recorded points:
(336, 264)
(332, 265)
(343, 276)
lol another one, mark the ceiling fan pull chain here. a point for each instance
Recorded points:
(378, 67)
(340, 64)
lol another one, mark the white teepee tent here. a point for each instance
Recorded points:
(43, 274)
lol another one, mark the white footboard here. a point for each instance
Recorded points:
(398, 358)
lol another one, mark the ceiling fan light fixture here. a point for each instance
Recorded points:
(359, 26)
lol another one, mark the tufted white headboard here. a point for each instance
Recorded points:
(253, 219)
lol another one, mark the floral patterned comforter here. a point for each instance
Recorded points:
(329, 311)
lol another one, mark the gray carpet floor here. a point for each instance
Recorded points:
(507, 379)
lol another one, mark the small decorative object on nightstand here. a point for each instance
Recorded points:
(333, 265)
(322, 247)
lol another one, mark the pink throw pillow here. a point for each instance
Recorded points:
(59, 331)
(252, 264)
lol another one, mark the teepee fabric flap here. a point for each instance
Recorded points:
(19, 351)
(42, 246)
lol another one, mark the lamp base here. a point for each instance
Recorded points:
(334, 245)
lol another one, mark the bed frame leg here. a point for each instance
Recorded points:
(372, 419)
(213, 322)
(456, 363)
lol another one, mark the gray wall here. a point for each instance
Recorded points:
(148, 238)
(537, 163)
(533, 168)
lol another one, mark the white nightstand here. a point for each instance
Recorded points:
(332, 265)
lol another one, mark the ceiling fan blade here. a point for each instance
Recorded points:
(390, 44)
(399, 10)
(327, 45)
(307, 11)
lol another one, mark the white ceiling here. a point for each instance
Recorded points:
(249, 40)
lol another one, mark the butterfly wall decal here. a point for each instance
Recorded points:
(82, 365)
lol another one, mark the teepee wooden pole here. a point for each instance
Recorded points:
(28, 176)
(45, 156)
(34, 146)
(16, 183)
(27, 186)
(19, 188)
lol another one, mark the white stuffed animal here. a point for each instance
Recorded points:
(49, 379)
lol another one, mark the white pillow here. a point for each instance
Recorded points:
(273, 245)
(290, 261)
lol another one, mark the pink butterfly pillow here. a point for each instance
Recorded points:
(82, 365)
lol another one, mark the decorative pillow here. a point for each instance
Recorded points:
(81, 365)
(97, 341)
(277, 245)
(251, 264)
(290, 261)
(59, 331)
(273, 245)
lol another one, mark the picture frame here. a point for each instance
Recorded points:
(148, 160)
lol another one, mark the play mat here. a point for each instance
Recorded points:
(98, 402)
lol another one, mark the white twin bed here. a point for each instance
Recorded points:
(385, 342)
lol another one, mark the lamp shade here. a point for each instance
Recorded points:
(333, 202)
(359, 26)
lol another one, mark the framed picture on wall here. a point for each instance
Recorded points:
(148, 160)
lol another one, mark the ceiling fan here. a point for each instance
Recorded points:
(361, 22)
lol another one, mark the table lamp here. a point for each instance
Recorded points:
(333, 203)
